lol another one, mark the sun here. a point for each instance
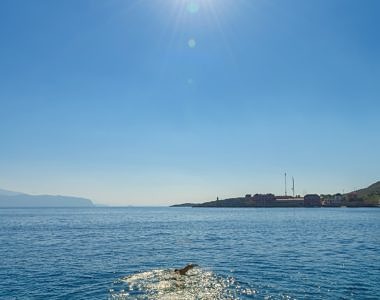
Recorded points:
(212, 12)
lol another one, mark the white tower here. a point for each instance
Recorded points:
(286, 190)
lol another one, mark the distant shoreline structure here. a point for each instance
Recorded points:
(368, 197)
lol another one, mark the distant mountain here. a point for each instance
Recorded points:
(15, 199)
(9, 193)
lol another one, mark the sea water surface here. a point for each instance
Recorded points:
(130, 253)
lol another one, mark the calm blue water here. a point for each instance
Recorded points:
(241, 253)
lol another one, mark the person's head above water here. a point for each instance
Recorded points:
(185, 269)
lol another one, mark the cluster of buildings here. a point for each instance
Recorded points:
(333, 200)
(310, 200)
(270, 200)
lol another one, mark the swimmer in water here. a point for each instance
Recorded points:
(184, 270)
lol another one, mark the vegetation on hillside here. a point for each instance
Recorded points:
(369, 195)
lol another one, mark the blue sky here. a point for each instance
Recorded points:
(109, 100)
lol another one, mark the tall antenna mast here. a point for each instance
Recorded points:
(286, 191)
(293, 186)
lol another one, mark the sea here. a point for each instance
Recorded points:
(238, 253)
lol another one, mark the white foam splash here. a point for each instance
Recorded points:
(167, 285)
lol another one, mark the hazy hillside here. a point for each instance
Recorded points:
(9, 193)
(14, 199)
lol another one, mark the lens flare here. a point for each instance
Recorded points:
(192, 43)
(192, 7)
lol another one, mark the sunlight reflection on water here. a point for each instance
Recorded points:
(165, 284)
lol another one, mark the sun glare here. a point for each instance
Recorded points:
(205, 13)
(206, 8)
(192, 7)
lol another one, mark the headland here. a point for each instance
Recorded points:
(367, 197)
